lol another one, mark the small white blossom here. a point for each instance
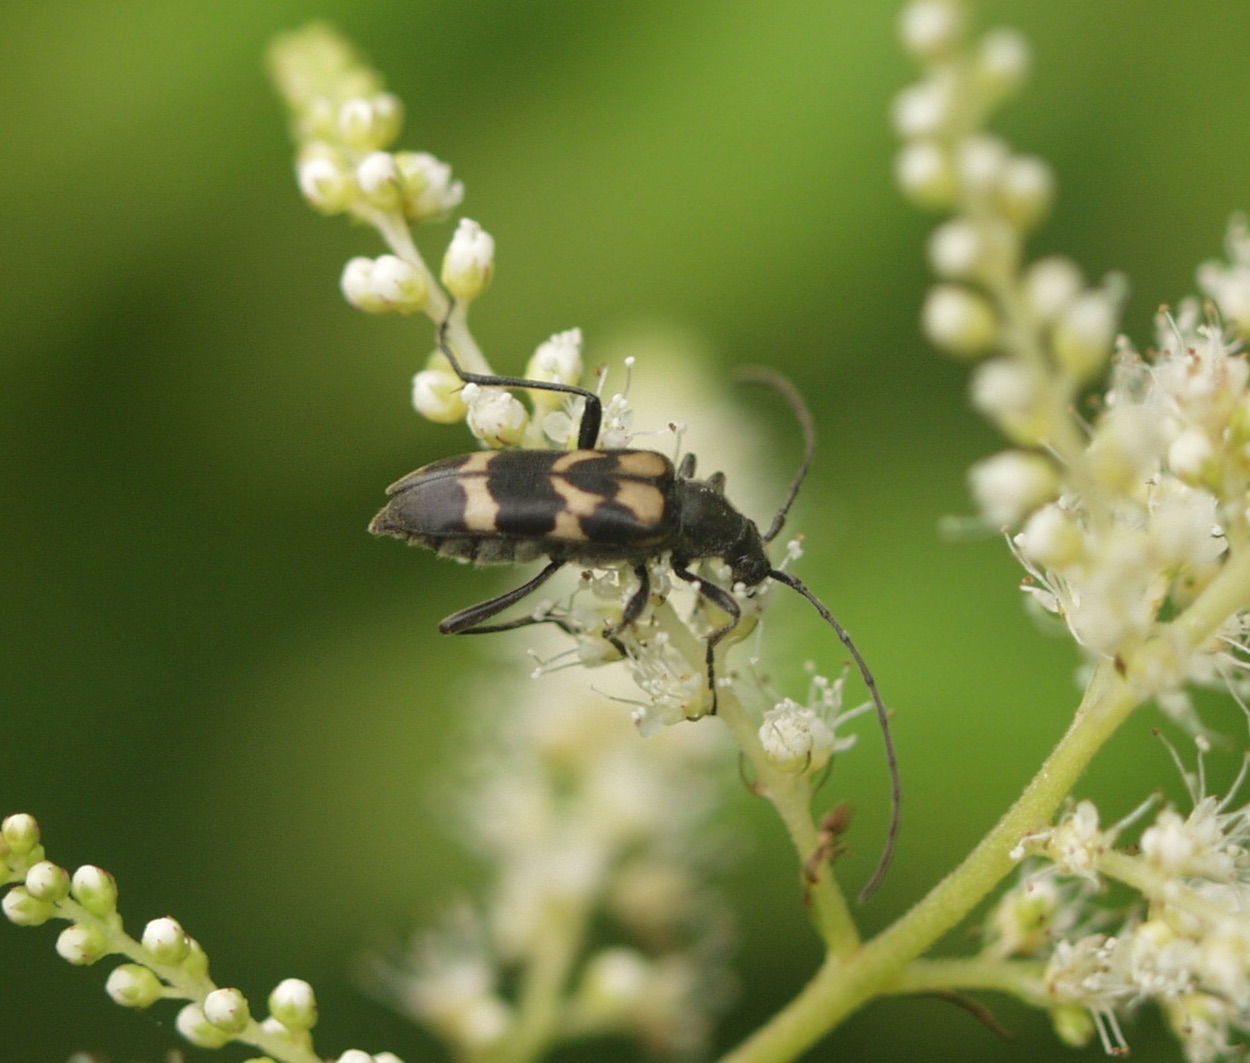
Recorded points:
(931, 28)
(426, 186)
(1050, 285)
(1010, 485)
(377, 177)
(959, 320)
(558, 360)
(796, 738)
(227, 1010)
(1002, 62)
(166, 940)
(495, 416)
(925, 173)
(470, 261)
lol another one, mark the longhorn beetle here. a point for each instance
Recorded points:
(593, 507)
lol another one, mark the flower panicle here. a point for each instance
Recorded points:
(1184, 945)
(163, 963)
(1122, 519)
(583, 825)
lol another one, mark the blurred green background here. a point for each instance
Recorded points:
(216, 685)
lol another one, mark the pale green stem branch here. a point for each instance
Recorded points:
(1018, 978)
(540, 1000)
(844, 984)
(790, 794)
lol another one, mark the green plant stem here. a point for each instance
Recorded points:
(791, 795)
(844, 983)
(540, 999)
(1019, 978)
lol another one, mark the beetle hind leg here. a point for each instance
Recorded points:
(472, 621)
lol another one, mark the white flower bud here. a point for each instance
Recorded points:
(133, 986)
(613, 984)
(357, 285)
(436, 396)
(469, 262)
(95, 889)
(47, 882)
(796, 738)
(166, 940)
(20, 833)
(21, 909)
(1183, 528)
(367, 124)
(427, 187)
(81, 944)
(1085, 332)
(1026, 189)
(355, 1055)
(399, 284)
(227, 1010)
(1125, 446)
(293, 1004)
(1011, 393)
(930, 29)
(1229, 288)
(926, 175)
(1050, 285)
(495, 416)
(378, 178)
(963, 249)
(925, 108)
(326, 186)
(559, 361)
(1191, 455)
(1050, 538)
(485, 1022)
(1002, 62)
(959, 320)
(980, 160)
(1008, 486)
(195, 1028)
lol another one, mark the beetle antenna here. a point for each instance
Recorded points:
(883, 718)
(592, 412)
(780, 384)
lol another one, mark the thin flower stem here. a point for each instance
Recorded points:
(1018, 978)
(543, 985)
(845, 983)
(790, 794)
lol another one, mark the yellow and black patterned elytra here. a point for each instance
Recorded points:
(590, 507)
(516, 505)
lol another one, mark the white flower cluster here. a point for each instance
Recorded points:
(1147, 515)
(1124, 520)
(580, 822)
(165, 963)
(1184, 947)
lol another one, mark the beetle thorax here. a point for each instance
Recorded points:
(711, 527)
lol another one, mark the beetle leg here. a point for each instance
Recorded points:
(633, 608)
(727, 604)
(470, 621)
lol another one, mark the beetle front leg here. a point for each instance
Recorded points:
(727, 604)
(470, 621)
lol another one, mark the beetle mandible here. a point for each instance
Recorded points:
(596, 507)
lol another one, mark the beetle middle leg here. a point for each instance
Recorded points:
(727, 604)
